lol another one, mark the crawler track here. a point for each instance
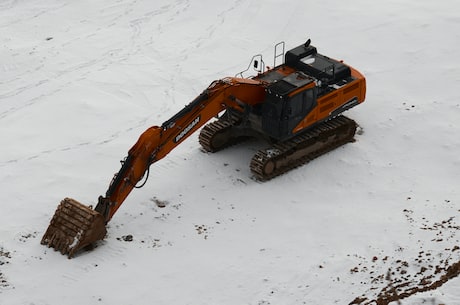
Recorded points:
(282, 157)
(220, 134)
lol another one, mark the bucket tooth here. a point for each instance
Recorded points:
(73, 227)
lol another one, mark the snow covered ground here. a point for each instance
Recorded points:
(81, 80)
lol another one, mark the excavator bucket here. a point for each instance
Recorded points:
(74, 226)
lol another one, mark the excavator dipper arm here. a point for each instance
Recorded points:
(75, 226)
(156, 142)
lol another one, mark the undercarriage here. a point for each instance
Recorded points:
(280, 157)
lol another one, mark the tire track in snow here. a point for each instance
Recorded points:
(78, 72)
(46, 54)
(211, 29)
(137, 24)
(77, 146)
(13, 3)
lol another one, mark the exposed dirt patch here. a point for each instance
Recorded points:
(160, 203)
(393, 293)
(401, 284)
(4, 259)
(202, 230)
(437, 262)
(25, 236)
(127, 238)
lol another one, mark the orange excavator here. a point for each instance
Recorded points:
(296, 106)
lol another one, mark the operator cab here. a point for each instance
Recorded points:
(288, 101)
(295, 86)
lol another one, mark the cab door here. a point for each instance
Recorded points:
(298, 107)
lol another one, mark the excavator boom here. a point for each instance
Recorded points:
(75, 226)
